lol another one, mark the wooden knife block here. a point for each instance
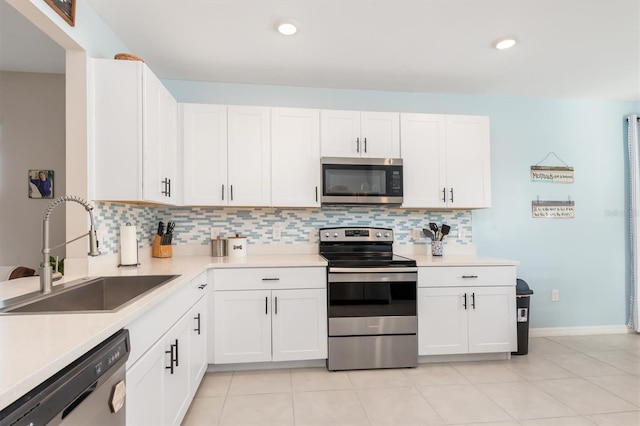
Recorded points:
(159, 250)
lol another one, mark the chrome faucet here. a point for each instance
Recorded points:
(46, 273)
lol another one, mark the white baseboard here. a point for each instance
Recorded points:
(579, 331)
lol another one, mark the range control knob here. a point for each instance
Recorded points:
(378, 235)
(386, 234)
(335, 235)
(326, 234)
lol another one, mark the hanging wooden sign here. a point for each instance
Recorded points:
(551, 174)
(553, 209)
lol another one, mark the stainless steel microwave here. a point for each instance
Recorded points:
(361, 180)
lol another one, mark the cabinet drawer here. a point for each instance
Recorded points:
(269, 278)
(466, 276)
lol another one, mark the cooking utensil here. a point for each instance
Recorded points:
(428, 233)
(434, 228)
(445, 231)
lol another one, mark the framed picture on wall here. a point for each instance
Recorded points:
(64, 8)
(40, 183)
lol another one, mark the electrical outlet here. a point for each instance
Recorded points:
(555, 295)
(416, 233)
(276, 233)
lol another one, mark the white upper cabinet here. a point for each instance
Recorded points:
(249, 156)
(446, 161)
(135, 134)
(227, 155)
(468, 161)
(359, 134)
(295, 157)
(204, 144)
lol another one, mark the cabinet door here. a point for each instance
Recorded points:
(299, 324)
(468, 162)
(242, 322)
(249, 156)
(340, 133)
(295, 157)
(423, 156)
(169, 147)
(176, 382)
(442, 321)
(159, 138)
(197, 343)
(492, 319)
(145, 390)
(380, 134)
(117, 129)
(204, 139)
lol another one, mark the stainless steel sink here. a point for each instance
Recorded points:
(102, 294)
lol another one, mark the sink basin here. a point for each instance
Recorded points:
(102, 294)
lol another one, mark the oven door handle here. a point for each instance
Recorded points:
(364, 277)
(376, 270)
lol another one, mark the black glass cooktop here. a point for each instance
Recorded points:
(362, 260)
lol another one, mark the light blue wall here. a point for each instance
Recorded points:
(584, 258)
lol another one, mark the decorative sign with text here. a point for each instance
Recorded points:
(551, 174)
(553, 209)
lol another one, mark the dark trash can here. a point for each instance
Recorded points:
(523, 298)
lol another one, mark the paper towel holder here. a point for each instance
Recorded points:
(137, 254)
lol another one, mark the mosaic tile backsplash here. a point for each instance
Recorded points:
(193, 224)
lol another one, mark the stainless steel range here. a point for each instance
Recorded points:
(371, 299)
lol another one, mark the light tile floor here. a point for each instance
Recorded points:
(564, 381)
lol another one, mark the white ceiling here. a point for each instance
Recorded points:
(566, 49)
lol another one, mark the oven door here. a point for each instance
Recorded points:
(372, 292)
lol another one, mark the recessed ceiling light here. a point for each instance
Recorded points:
(504, 43)
(287, 27)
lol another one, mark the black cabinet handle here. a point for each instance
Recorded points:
(202, 286)
(444, 195)
(165, 191)
(465, 301)
(276, 305)
(169, 185)
(469, 276)
(316, 194)
(266, 306)
(198, 327)
(473, 300)
(357, 144)
(170, 351)
(177, 352)
(231, 192)
(222, 192)
(365, 145)
(451, 194)
(271, 279)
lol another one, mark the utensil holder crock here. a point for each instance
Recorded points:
(436, 248)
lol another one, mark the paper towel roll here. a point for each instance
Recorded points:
(128, 245)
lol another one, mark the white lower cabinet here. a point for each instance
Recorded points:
(454, 319)
(164, 376)
(242, 326)
(269, 324)
(198, 316)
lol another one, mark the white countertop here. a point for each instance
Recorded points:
(460, 260)
(34, 347)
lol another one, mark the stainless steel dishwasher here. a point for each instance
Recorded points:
(89, 391)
